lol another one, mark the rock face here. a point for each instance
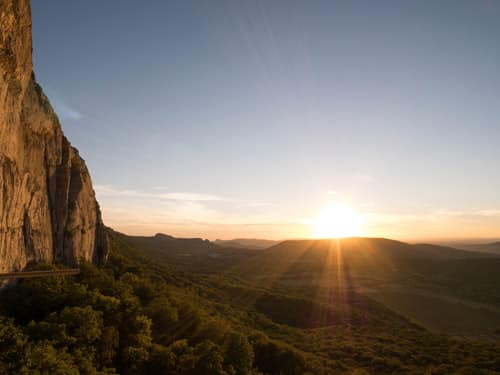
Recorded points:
(48, 210)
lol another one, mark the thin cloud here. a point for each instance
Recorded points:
(432, 215)
(194, 213)
(450, 213)
(485, 213)
(63, 110)
(108, 190)
(493, 212)
(188, 213)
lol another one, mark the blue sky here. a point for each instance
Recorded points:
(246, 118)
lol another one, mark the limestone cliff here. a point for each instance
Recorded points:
(48, 209)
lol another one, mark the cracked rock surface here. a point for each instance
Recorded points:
(48, 210)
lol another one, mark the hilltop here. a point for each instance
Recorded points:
(491, 248)
(247, 243)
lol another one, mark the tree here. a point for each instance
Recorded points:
(164, 316)
(137, 342)
(43, 358)
(209, 359)
(34, 299)
(12, 345)
(161, 360)
(239, 353)
(82, 324)
(107, 346)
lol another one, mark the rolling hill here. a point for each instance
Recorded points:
(193, 254)
(445, 289)
(490, 248)
(141, 312)
(247, 243)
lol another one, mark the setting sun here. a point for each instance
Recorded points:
(337, 220)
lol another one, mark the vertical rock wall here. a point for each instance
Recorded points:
(48, 210)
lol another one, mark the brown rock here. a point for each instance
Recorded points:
(48, 209)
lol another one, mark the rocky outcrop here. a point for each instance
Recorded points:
(48, 210)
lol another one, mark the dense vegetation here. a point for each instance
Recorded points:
(134, 315)
(129, 317)
(455, 291)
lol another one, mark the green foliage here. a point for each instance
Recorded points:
(12, 343)
(112, 319)
(44, 103)
(135, 316)
(239, 353)
(43, 358)
(275, 358)
(164, 317)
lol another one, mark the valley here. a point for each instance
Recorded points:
(446, 290)
(294, 320)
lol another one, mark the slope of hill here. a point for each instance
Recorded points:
(194, 254)
(361, 255)
(247, 243)
(490, 248)
(135, 315)
(423, 282)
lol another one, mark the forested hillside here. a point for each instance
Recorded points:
(135, 316)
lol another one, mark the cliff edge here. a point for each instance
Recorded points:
(48, 210)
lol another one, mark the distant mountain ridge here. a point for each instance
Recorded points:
(247, 243)
(389, 246)
(362, 258)
(490, 248)
(188, 253)
(447, 289)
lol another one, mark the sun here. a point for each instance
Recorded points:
(336, 221)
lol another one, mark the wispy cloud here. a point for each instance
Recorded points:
(445, 212)
(181, 213)
(65, 112)
(61, 107)
(189, 213)
(434, 215)
(441, 223)
(491, 212)
(108, 190)
(464, 213)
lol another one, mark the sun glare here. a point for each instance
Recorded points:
(336, 221)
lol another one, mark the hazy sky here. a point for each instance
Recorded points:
(245, 118)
